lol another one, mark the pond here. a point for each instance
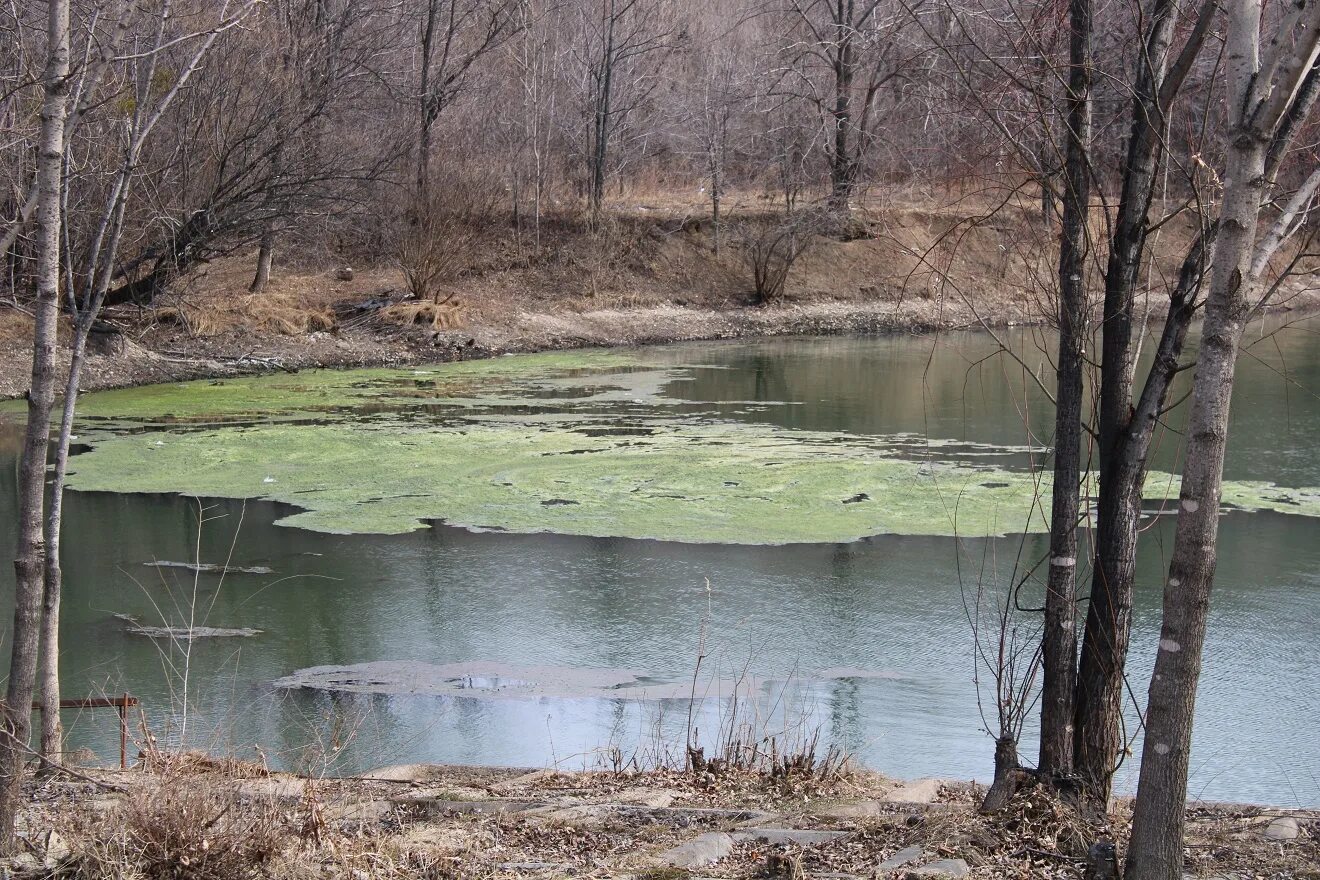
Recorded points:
(523, 560)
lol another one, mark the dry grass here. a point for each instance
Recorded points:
(196, 820)
(177, 826)
(282, 313)
(15, 326)
(438, 316)
(215, 301)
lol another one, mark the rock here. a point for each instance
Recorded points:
(446, 806)
(24, 863)
(57, 850)
(106, 342)
(851, 810)
(704, 850)
(1283, 828)
(921, 791)
(524, 780)
(646, 797)
(405, 773)
(942, 868)
(900, 859)
(788, 836)
(580, 814)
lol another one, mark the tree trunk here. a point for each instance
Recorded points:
(30, 556)
(265, 257)
(1157, 828)
(1059, 641)
(1156, 848)
(601, 123)
(52, 729)
(715, 209)
(1100, 683)
(842, 165)
(1009, 775)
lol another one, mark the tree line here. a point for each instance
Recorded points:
(145, 137)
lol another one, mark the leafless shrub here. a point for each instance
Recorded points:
(442, 232)
(770, 247)
(180, 826)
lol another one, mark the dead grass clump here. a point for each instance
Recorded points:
(198, 762)
(15, 326)
(1036, 816)
(286, 314)
(440, 316)
(180, 827)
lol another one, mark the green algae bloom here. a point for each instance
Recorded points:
(327, 391)
(705, 483)
(579, 443)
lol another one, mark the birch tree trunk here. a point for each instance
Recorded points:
(29, 559)
(1263, 98)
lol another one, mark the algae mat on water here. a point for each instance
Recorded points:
(578, 443)
(322, 391)
(713, 482)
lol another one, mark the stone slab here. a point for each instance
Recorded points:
(707, 849)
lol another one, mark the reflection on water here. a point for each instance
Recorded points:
(874, 632)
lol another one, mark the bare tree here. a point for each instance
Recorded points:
(1126, 425)
(1059, 638)
(720, 93)
(29, 560)
(617, 51)
(533, 59)
(1268, 92)
(454, 35)
(148, 108)
(840, 54)
(243, 160)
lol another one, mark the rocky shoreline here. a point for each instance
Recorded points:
(132, 359)
(448, 821)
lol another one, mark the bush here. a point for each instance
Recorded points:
(185, 827)
(771, 247)
(442, 231)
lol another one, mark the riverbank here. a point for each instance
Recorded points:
(205, 818)
(648, 276)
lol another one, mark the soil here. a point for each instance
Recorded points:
(194, 816)
(649, 275)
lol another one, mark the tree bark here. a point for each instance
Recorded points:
(603, 109)
(843, 166)
(1059, 641)
(30, 556)
(1009, 775)
(265, 257)
(1100, 683)
(1262, 100)
(1157, 830)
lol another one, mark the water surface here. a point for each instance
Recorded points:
(892, 608)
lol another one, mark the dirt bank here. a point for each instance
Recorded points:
(649, 275)
(199, 817)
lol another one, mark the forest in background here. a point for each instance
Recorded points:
(444, 138)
